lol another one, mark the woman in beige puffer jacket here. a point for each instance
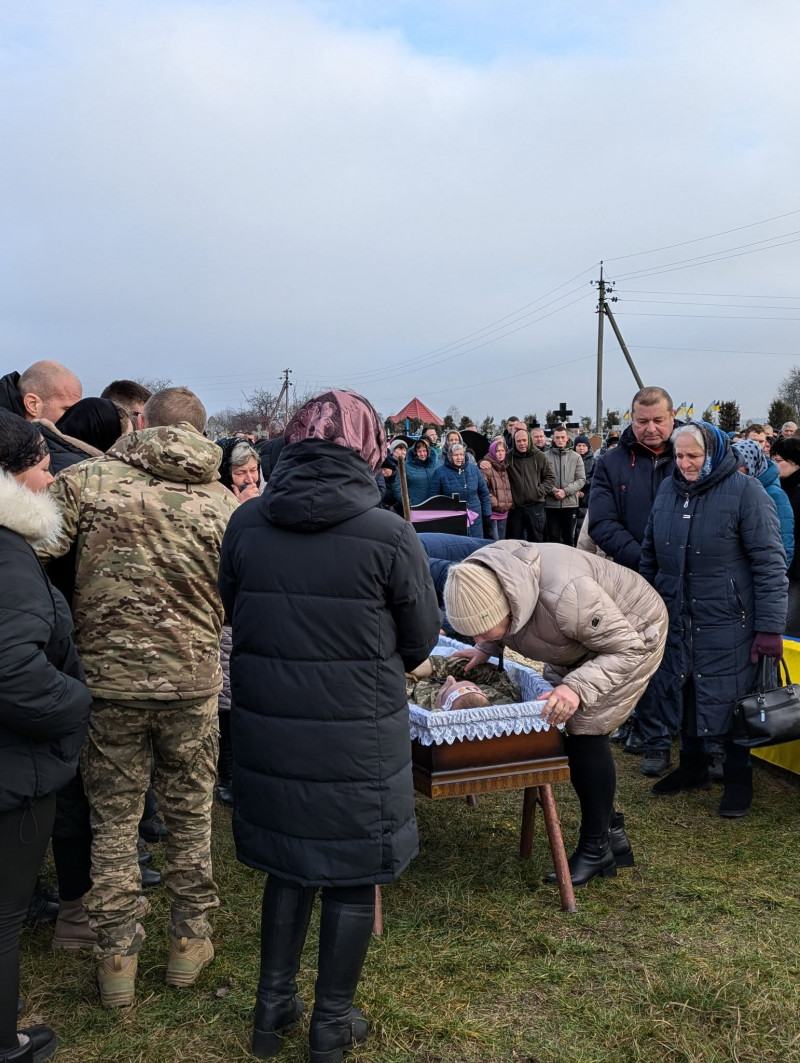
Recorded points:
(600, 628)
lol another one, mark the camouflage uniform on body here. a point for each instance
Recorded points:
(497, 686)
(148, 519)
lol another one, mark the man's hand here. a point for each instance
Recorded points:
(561, 705)
(485, 466)
(559, 493)
(246, 492)
(474, 656)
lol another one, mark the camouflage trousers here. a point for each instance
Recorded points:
(178, 740)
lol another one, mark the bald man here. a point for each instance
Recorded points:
(45, 391)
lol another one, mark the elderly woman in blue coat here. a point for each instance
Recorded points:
(712, 549)
(456, 475)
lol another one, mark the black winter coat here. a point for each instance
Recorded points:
(44, 703)
(331, 602)
(625, 483)
(713, 551)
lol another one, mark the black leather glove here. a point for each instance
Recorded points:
(487, 528)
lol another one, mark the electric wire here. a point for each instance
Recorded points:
(701, 239)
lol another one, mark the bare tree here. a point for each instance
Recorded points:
(789, 388)
(154, 383)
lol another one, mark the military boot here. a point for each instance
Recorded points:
(187, 958)
(116, 978)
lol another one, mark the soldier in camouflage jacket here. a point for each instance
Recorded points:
(148, 519)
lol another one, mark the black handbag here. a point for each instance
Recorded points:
(768, 717)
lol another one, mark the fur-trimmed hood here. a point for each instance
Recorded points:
(34, 516)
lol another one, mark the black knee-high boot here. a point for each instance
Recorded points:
(285, 915)
(344, 936)
(594, 779)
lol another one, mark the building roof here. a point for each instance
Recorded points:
(418, 410)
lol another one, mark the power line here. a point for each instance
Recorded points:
(700, 239)
(717, 350)
(723, 317)
(720, 306)
(497, 380)
(710, 295)
(372, 375)
(702, 260)
(477, 345)
(713, 256)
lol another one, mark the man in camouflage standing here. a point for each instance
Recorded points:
(148, 518)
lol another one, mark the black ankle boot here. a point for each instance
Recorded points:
(691, 774)
(41, 1044)
(592, 857)
(285, 915)
(344, 936)
(737, 797)
(618, 840)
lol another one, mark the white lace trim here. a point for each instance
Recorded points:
(435, 728)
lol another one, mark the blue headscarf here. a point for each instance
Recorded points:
(715, 442)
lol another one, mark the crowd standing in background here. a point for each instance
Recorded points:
(203, 605)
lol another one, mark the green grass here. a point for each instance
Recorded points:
(690, 956)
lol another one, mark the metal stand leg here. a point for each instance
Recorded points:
(557, 848)
(528, 814)
(377, 926)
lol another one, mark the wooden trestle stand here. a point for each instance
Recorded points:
(529, 762)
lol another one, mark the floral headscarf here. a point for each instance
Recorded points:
(344, 418)
(750, 454)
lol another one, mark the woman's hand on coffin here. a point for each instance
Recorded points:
(561, 705)
(474, 656)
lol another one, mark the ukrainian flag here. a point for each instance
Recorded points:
(681, 409)
(627, 416)
(717, 405)
(690, 411)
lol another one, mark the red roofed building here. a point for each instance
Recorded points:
(416, 410)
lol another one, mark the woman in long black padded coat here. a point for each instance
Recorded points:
(44, 706)
(331, 602)
(713, 551)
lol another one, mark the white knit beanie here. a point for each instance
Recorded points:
(474, 599)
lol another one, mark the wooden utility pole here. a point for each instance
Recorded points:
(283, 393)
(604, 311)
(601, 313)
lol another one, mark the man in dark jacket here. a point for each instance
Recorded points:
(331, 602)
(624, 486)
(532, 479)
(44, 392)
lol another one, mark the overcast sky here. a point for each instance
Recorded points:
(214, 190)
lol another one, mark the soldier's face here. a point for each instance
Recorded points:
(463, 685)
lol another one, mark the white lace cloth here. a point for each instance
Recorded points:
(519, 717)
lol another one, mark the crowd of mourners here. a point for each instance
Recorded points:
(183, 618)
